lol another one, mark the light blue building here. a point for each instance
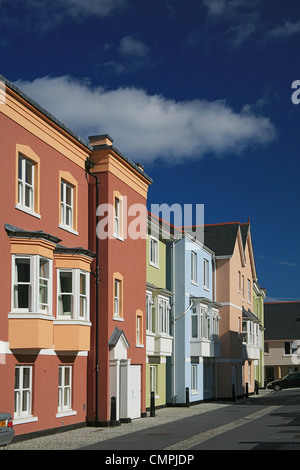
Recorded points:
(195, 323)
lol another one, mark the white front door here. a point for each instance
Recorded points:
(134, 392)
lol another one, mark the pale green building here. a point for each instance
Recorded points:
(158, 314)
(259, 295)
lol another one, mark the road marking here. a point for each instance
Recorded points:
(205, 436)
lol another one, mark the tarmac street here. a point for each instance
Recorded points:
(268, 421)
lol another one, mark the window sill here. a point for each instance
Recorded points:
(24, 420)
(139, 345)
(71, 321)
(68, 229)
(118, 237)
(62, 414)
(27, 211)
(154, 265)
(118, 318)
(31, 315)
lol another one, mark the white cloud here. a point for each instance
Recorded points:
(215, 7)
(133, 55)
(146, 127)
(132, 47)
(91, 7)
(285, 30)
(43, 15)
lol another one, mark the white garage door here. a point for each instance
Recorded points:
(134, 391)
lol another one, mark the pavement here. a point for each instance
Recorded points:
(86, 436)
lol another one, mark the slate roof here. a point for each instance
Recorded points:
(114, 338)
(282, 320)
(18, 232)
(220, 238)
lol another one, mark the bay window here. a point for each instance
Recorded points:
(73, 294)
(163, 315)
(32, 284)
(149, 304)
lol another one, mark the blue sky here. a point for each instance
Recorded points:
(199, 91)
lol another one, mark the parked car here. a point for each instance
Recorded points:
(289, 381)
(6, 429)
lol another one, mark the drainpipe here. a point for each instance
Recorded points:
(88, 165)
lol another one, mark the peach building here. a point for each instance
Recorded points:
(240, 329)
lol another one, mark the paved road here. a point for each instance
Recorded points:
(269, 421)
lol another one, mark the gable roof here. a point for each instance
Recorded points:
(221, 238)
(114, 338)
(282, 320)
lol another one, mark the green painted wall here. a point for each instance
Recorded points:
(258, 310)
(160, 399)
(156, 275)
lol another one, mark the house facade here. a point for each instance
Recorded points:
(282, 339)
(159, 300)
(259, 295)
(45, 323)
(240, 327)
(117, 223)
(195, 324)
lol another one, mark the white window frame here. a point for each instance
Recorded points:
(154, 252)
(75, 294)
(195, 318)
(34, 305)
(118, 217)
(139, 331)
(206, 273)
(249, 290)
(163, 312)
(66, 208)
(205, 319)
(216, 324)
(24, 185)
(194, 378)
(193, 267)
(83, 296)
(117, 297)
(149, 305)
(23, 394)
(64, 390)
(243, 287)
(153, 379)
(239, 282)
